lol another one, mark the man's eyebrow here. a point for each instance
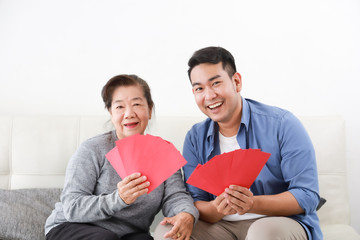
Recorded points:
(210, 79)
(214, 77)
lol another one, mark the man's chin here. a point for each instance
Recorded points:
(215, 117)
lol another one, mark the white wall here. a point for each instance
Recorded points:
(304, 56)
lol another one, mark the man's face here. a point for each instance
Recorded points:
(216, 94)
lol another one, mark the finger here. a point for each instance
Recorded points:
(131, 177)
(243, 195)
(134, 185)
(172, 233)
(166, 220)
(241, 203)
(224, 207)
(218, 199)
(238, 189)
(140, 187)
(136, 181)
(132, 190)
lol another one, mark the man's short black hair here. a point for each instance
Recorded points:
(213, 55)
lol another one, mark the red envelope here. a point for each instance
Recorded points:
(152, 156)
(239, 167)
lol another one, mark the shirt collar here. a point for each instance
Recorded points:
(245, 115)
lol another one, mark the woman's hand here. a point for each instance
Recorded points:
(132, 187)
(183, 224)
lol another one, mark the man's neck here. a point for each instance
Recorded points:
(231, 127)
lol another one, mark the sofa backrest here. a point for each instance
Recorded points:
(34, 151)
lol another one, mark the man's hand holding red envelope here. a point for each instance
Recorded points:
(235, 172)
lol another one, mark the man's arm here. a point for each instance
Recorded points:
(282, 204)
(208, 212)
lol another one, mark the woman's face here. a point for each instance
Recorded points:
(129, 111)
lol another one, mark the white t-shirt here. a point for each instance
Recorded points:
(228, 144)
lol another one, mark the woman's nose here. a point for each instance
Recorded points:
(129, 112)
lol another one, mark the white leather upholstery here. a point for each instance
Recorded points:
(34, 151)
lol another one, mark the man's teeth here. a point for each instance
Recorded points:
(215, 105)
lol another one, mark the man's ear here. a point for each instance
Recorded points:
(238, 81)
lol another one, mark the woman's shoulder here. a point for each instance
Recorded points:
(100, 140)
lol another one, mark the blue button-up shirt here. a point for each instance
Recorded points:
(291, 166)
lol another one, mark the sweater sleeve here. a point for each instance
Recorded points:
(176, 199)
(80, 204)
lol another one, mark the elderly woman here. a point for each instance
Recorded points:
(96, 203)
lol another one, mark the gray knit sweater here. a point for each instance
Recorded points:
(90, 193)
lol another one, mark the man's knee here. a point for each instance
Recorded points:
(273, 228)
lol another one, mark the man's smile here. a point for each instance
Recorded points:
(215, 105)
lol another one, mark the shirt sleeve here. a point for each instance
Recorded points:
(298, 163)
(191, 154)
(79, 202)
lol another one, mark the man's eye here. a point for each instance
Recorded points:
(216, 83)
(198, 89)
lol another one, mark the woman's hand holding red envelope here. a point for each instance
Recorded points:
(131, 187)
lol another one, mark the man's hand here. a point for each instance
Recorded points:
(239, 198)
(182, 226)
(132, 187)
(222, 206)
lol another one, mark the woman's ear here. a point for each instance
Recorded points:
(150, 113)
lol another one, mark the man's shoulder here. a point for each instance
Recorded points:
(261, 109)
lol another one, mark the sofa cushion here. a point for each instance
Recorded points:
(23, 212)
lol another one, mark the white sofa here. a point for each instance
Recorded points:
(34, 151)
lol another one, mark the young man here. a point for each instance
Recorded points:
(281, 203)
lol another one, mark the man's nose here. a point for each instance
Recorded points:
(210, 94)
